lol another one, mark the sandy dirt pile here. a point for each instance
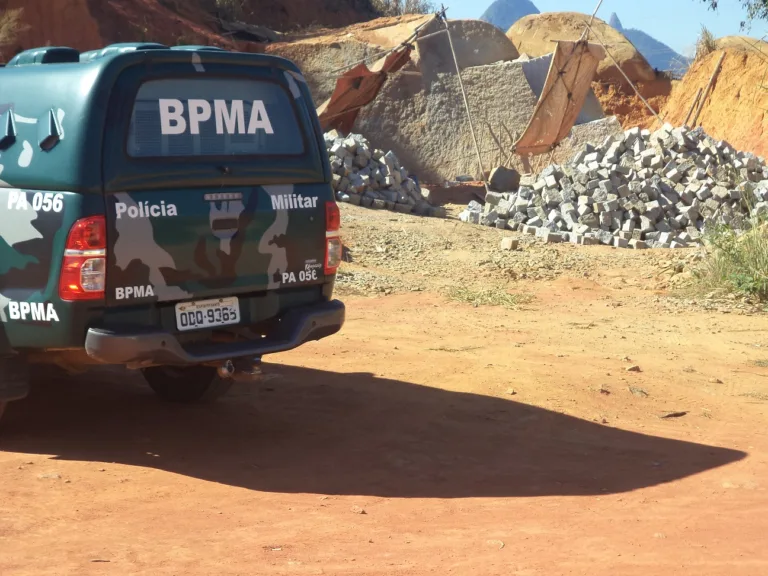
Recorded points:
(534, 35)
(735, 110)
(625, 104)
(744, 43)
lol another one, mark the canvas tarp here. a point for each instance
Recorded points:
(536, 70)
(568, 82)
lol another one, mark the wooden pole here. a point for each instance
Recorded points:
(466, 101)
(709, 87)
(591, 21)
(693, 106)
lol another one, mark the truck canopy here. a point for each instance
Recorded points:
(81, 122)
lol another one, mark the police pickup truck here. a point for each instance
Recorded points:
(168, 210)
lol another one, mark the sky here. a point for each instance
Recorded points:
(677, 23)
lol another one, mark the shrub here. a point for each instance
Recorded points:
(11, 25)
(705, 44)
(737, 263)
(400, 7)
(231, 9)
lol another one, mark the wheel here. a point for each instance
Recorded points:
(186, 385)
(3, 406)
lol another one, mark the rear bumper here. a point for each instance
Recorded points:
(137, 350)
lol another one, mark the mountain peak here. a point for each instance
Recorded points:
(504, 13)
(615, 22)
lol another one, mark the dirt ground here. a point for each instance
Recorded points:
(429, 436)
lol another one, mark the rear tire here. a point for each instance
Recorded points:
(186, 385)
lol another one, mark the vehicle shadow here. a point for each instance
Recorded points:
(322, 432)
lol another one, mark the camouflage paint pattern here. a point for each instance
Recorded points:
(214, 247)
(224, 239)
(33, 229)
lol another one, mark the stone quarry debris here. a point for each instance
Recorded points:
(503, 179)
(368, 177)
(509, 244)
(637, 190)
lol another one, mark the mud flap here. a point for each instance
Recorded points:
(14, 379)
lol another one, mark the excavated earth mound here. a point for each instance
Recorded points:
(89, 24)
(534, 35)
(741, 43)
(322, 55)
(737, 108)
(627, 106)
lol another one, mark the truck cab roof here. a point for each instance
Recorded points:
(66, 115)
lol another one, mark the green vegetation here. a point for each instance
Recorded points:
(230, 9)
(487, 297)
(705, 44)
(11, 25)
(400, 7)
(737, 263)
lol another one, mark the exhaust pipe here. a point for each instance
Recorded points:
(226, 370)
(247, 369)
(242, 370)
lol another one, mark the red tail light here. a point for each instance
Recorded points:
(332, 217)
(333, 246)
(83, 269)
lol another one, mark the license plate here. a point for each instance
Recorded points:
(207, 313)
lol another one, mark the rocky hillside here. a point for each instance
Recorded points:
(658, 54)
(88, 24)
(504, 13)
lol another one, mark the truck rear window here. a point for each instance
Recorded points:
(213, 117)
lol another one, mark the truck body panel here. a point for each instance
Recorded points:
(211, 173)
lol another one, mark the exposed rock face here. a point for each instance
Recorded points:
(476, 43)
(504, 13)
(319, 59)
(533, 35)
(423, 120)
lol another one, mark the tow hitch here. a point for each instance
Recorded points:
(241, 369)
